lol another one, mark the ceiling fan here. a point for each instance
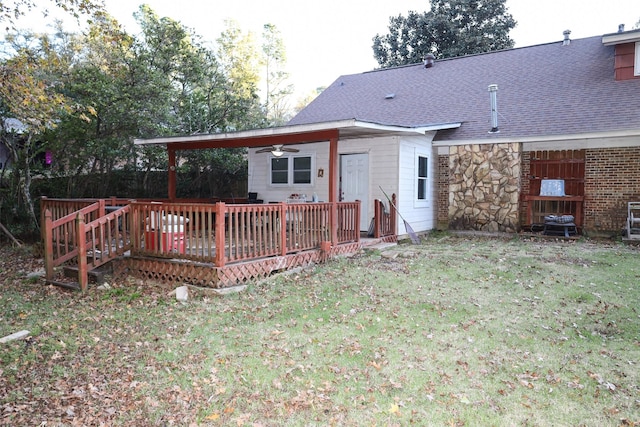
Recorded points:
(277, 150)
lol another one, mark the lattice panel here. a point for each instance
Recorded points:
(207, 275)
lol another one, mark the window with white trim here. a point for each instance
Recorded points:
(422, 175)
(636, 69)
(291, 170)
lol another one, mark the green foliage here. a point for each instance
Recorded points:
(85, 98)
(277, 88)
(451, 28)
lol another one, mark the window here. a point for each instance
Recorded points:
(422, 175)
(636, 70)
(290, 170)
(302, 170)
(280, 170)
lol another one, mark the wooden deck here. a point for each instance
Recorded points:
(208, 244)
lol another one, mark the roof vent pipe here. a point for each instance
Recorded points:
(429, 60)
(493, 94)
(621, 28)
(566, 40)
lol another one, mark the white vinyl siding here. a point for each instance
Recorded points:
(383, 166)
(259, 180)
(419, 212)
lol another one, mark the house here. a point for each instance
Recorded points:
(500, 141)
(466, 143)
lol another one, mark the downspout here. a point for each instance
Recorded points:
(493, 94)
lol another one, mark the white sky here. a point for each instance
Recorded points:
(328, 38)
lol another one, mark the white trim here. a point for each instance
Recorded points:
(636, 62)
(584, 137)
(416, 201)
(346, 125)
(619, 38)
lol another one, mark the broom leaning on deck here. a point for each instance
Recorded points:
(412, 234)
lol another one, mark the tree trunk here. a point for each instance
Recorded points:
(8, 233)
(26, 187)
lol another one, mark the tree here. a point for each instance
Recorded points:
(29, 93)
(277, 89)
(451, 28)
(12, 10)
(238, 57)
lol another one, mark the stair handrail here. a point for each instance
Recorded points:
(77, 238)
(63, 234)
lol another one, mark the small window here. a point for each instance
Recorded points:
(636, 70)
(422, 177)
(280, 170)
(302, 170)
(290, 170)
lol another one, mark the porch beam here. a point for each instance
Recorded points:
(257, 141)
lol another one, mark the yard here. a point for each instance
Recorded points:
(457, 331)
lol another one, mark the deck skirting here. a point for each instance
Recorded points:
(180, 271)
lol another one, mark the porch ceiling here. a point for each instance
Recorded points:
(299, 134)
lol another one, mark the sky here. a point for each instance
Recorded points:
(329, 38)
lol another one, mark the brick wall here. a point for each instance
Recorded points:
(525, 172)
(443, 192)
(612, 178)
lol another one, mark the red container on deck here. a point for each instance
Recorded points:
(171, 241)
(165, 233)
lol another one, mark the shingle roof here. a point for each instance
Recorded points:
(547, 89)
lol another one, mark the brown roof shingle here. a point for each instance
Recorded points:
(547, 89)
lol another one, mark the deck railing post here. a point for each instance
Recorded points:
(47, 236)
(393, 214)
(81, 244)
(220, 233)
(101, 208)
(43, 207)
(283, 228)
(334, 223)
(356, 231)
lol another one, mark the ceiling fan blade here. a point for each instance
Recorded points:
(290, 150)
(265, 150)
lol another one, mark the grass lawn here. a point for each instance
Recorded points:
(457, 331)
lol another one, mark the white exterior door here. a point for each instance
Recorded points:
(354, 180)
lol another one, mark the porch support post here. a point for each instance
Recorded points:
(171, 183)
(220, 257)
(333, 188)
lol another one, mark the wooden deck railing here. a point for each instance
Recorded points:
(215, 233)
(384, 219)
(244, 232)
(87, 245)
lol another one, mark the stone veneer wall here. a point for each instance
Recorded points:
(612, 179)
(442, 215)
(484, 187)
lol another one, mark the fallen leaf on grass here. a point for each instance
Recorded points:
(213, 417)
